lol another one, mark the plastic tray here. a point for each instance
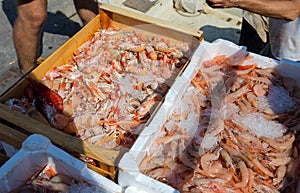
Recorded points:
(36, 152)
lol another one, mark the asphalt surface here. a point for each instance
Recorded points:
(62, 23)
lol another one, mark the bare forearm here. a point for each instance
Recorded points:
(287, 10)
(282, 9)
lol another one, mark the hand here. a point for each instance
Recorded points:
(221, 3)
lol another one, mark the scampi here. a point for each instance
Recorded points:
(91, 96)
(241, 138)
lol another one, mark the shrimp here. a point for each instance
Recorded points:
(216, 187)
(163, 47)
(280, 173)
(280, 145)
(147, 105)
(251, 180)
(234, 95)
(206, 159)
(95, 90)
(245, 175)
(226, 157)
(280, 161)
(137, 48)
(262, 168)
(237, 154)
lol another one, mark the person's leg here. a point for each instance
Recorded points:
(250, 38)
(27, 30)
(86, 9)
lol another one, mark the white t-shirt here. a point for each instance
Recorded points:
(285, 38)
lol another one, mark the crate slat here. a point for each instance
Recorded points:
(11, 136)
(66, 141)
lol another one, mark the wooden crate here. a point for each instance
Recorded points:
(16, 127)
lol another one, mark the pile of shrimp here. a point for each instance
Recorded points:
(235, 129)
(112, 84)
(49, 181)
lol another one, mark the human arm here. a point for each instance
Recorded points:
(281, 9)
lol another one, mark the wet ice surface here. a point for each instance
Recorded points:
(261, 127)
(278, 100)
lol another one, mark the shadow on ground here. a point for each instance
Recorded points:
(212, 33)
(56, 23)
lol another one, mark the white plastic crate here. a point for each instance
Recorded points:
(36, 152)
(130, 174)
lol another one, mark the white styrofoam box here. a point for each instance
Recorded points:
(290, 69)
(129, 173)
(38, 151)
(133, 189)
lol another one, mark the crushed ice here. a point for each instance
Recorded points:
(277, 100)
(260, 126)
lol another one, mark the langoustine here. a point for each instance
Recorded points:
(242, 143)
(111, 85)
